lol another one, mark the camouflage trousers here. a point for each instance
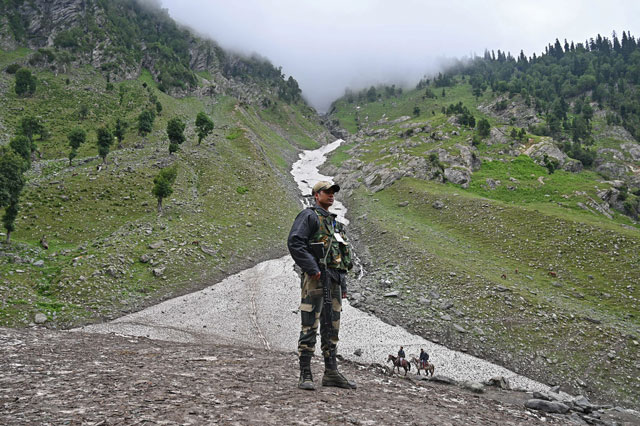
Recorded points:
(311, 311)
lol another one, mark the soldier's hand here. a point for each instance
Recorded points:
(316, 276)
(344, 294)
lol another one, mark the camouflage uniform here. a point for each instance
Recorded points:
(314, 225)
(338, 263)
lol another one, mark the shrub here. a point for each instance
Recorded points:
(501, 105)
(12, 69)
(550, 163)
(25, 82)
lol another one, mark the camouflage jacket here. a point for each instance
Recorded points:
(315, 224)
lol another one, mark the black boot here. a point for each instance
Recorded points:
(306, 379)
(332, 377)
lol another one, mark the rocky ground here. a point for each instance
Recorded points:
(53, 377)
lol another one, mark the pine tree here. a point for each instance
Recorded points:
(372, 95)
(484, 128)
(616, 42)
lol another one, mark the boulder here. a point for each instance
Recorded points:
(467, 157)
(156, 245)
(492, 184)
(632, 150)
(583, 403)
(459, 328)
(458, 176)
(611, 197)
(611, 170)
(496, 136)
(611, 153)
(40, 318)
(112, 271)
(499, 381)
(473, 386)
(547, 406)
(381, 178)
(548, 148)
(541, 395)
(442, 379)
(572, 165)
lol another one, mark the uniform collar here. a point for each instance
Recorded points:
(323, 212)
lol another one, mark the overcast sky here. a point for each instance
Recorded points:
(329, 45)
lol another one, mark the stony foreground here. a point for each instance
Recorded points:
(53, 377)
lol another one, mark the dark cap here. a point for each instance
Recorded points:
(324, 186)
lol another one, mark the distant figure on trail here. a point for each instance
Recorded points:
(423, 363)
(424, 358)
(401, 355)
(316, 230)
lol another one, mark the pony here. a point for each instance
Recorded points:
(429, 368)
(397, 364)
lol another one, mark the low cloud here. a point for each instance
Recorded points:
(330, 45)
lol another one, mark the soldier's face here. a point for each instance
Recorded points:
(324, 198)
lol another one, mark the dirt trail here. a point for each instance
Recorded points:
(52, 377)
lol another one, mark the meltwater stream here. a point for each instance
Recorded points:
(259, 307)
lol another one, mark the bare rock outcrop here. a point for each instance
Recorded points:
(546, 148)
(516, 112)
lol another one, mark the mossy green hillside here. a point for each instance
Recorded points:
(392, 145)
(526, 281)
(354, 115)
(104, 235)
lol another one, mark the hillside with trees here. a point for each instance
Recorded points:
(135, 159)
(497, 206)
(494, 206)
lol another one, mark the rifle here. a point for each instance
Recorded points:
(318, 251)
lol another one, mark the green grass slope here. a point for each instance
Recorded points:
(232, 203)
(518, 272)
(550, 295)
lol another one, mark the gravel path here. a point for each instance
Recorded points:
(50, 377)
(259, 307)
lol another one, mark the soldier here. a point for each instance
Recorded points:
(313, 225)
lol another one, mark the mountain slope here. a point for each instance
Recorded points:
(108, 249)
(526, 255)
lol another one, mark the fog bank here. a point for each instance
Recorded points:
(331, 45)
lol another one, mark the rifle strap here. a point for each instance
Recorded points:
(329, 248)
